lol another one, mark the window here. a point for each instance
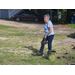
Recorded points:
(26, 14)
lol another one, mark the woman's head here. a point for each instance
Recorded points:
(46, 18)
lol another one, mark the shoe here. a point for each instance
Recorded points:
(39, 54)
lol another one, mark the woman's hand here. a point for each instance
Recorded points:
(45, 36)
(50, 30)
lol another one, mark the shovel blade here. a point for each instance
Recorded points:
(44, 42)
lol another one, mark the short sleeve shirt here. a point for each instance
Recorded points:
(46, 29)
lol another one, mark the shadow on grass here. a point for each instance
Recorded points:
(72, 35)
(35, 51)
(45, 57)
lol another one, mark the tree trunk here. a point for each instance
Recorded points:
(69, 13)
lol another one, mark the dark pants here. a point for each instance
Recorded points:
(49, 38)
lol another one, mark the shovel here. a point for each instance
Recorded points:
(44, 42)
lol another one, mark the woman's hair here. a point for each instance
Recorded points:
(47, 15)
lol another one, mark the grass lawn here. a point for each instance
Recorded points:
(72, 25)
(17, 47)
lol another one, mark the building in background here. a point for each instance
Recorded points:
(9, 13)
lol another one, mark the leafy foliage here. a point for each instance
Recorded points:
(62, 10)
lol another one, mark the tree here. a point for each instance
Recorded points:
(62, 10)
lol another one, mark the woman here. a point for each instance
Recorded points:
(49, 34)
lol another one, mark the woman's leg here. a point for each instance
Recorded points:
(50, 38)
(42, 47)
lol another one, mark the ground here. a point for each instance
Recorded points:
(19, 41)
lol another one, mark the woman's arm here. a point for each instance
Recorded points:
(50, 30)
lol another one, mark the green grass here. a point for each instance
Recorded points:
(72, 25)
(18, 49)
(59, 37)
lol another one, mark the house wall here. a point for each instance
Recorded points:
(0, 13)
(3, 13)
